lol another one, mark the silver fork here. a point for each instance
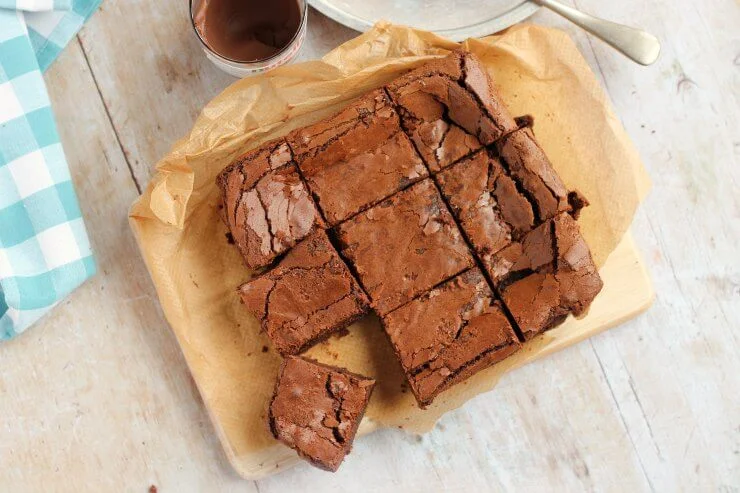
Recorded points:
(636, 44)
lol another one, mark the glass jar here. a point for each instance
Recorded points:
(239, 68)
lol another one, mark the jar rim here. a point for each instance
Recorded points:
(287, 47)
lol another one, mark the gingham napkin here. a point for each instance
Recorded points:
(44, 249)
(36, 5)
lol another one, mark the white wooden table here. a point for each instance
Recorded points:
(97, 396)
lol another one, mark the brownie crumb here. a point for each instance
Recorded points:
(341, 333)
(524, 121)
(265, 349)
(577, 202)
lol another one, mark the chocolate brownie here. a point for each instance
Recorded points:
(486, 201)
(309, 295)
(449, 107)
(265, 204)
(404, 246)
(316, 409)
(449, 334)
(356, 158)
(528, 164)
(546, 275)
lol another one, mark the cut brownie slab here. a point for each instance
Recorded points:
(528, 164)
(316, 410)
(309, 295)
(486, 202)
(265, 204)
(449, 107)
(449, 334)
(546, 275)
(356, 158)
(404, 246)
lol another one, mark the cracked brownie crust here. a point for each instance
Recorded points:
(265, 204)
(546, 276)
(316, 409)
(449, 334)
(486, 201)
(528, 164)
(309, 295)
(404, 246)
(450, 108)
(356, 158)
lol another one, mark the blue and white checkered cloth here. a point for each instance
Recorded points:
(44, 249)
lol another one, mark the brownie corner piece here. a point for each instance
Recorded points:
(477, 80)
(316, 410)
(309, 295)
(252, 165)
(404, 246)
(546, 276)
(265, 203)
(450, 333)
(450, 108)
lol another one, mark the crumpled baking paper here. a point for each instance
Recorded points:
(176, 221)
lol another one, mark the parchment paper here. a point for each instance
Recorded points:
(195, 271)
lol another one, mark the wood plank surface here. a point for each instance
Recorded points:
(97, 396)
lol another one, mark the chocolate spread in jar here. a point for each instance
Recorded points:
(247, 30)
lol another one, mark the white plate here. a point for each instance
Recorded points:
(453, 19)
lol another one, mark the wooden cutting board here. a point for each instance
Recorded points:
(627, 292)
(195, 271)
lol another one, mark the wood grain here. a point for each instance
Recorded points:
(97, 396)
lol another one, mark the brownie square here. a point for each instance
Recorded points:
(528, 164)
(546, 276)
(449, 334)
(404, 246)
(316, 410)
(486, 201)
(356, 158)
(265, 204)
(309, 295)
(450, 107)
